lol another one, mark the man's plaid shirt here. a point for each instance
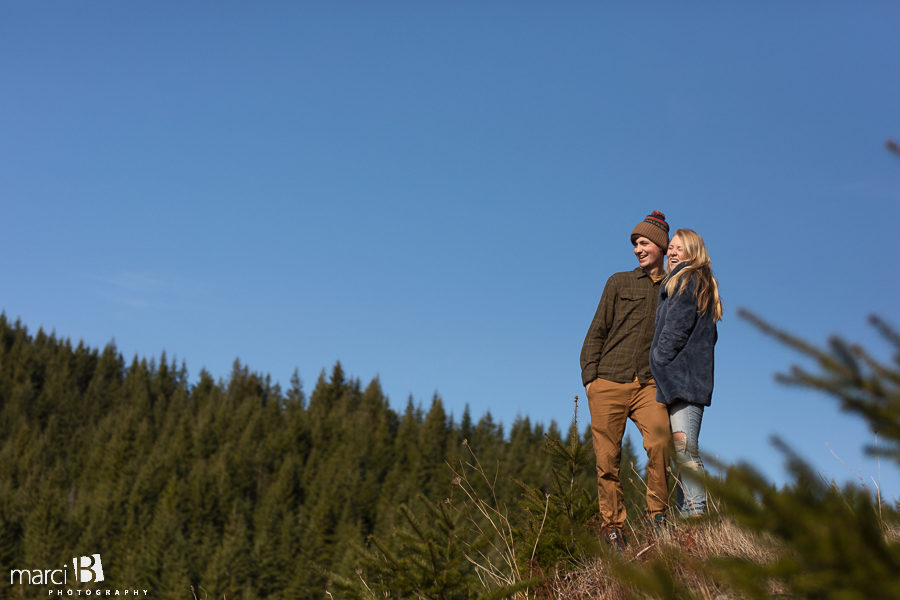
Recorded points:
(617, 344)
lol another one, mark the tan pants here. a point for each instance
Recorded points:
(611, 405)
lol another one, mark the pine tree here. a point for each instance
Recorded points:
(835, 540)
(559, 530)
(230, 569)
(434, 442)
(402, 478)
(829, 541)
(426, 560)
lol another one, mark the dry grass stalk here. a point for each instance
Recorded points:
(681, 549)
(499, 566)
(891, 532)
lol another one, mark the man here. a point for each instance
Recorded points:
(615, 369)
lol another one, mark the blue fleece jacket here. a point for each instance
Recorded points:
(681, 355)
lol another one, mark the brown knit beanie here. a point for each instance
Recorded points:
(654, 228)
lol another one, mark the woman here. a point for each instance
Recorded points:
(681, 356)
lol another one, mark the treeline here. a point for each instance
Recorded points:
(234, 486)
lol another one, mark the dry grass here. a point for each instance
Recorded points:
(720, 538)
(498, 564)
(892, 532)
(681, 550)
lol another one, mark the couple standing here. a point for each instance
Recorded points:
(648, 356)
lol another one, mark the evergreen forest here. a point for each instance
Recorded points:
(235, 487)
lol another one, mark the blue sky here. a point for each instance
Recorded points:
(435, 194)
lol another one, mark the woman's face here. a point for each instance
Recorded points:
(676, 252)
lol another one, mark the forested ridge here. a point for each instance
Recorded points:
(236, 489)
(234, 486)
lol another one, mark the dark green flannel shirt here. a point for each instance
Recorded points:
(617, 344)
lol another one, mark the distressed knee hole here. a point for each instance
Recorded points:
(680, 440)
(693, 465)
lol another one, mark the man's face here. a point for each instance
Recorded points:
(649, 255)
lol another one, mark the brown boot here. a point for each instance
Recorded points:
(658, 522)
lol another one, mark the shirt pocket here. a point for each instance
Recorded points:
(631, 309)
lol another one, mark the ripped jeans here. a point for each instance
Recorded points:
(685, 420)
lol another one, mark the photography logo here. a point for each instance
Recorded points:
(87, 569)
(86, 572)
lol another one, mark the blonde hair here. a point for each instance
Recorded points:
(698, 268)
